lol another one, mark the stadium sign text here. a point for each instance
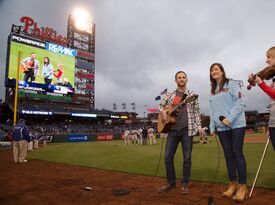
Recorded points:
(44, 97)
(28, 41)
(104, 137)
(60, 49)
(35, 112)
(78, 138)
(31, 27)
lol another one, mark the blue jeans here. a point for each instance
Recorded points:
(232, 143)
(173, 139)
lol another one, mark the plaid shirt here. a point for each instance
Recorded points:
(193, 111)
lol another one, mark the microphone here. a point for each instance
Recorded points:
(221, 118)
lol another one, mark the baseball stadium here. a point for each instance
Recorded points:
(79, 155)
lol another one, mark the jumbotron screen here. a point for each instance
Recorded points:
(43, 66)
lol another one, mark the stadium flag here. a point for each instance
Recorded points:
(114, 106)
(157, 98)
(123, 106)
(134, 105)
(152, 110)
(164, 91)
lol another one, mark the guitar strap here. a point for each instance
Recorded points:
(183, 97)
(31, 62)
(177, 101)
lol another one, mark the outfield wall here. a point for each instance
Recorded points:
(84, 137)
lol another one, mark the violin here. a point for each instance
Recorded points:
(265, 74)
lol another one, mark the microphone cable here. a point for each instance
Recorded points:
(210, 197)
(159, 158)
(213, 180)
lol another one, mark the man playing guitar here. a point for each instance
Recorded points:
(30, 66)
(187, 124)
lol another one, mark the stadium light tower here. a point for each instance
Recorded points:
(81, 31)
(81, 36)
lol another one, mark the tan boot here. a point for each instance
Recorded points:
(232, 188)
(241, 194)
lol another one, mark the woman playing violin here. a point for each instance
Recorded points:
(270, 90)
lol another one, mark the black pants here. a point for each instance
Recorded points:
(47, 81)
(272, 136)
(29, 74)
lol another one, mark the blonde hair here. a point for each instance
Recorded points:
(271, 52)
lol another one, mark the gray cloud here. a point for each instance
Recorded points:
(140, 44)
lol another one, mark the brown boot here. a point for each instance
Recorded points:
(232, 188)
(241, 194)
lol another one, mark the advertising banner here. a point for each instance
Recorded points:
(78, 138)
(104, 137)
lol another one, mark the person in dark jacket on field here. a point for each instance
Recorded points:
(144, 135)
(21, 137)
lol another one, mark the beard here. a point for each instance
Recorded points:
(181, 84)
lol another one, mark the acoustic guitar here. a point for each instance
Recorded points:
(25, 67)
(164, 126)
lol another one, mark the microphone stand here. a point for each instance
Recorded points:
(259, 168)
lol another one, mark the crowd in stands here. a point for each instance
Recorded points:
(5, 132)
(68, 126)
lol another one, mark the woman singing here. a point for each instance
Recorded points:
(228, 118)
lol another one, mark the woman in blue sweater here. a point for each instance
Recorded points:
(227, 117)
(47, 71)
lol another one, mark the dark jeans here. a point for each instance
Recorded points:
(47, 81)
(29, 74)
(272, 136)
(173, 139)
(232, 143)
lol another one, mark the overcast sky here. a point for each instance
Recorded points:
(141, 44)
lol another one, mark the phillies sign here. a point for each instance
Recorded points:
(31, 27)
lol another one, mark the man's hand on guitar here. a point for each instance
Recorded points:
(25, 67)
(201, 132)
(164, 115)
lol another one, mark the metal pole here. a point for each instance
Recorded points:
(259, 168)
(16, 89)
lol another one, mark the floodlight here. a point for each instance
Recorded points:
(83, 21)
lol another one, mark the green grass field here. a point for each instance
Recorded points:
(67, 61)
(114, 155)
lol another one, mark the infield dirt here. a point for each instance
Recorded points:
(41, 183)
